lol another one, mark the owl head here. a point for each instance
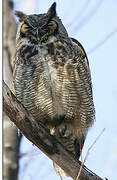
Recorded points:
(39, 28)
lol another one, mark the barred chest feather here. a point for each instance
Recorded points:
(46, 82)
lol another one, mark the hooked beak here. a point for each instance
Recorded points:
(38, 33)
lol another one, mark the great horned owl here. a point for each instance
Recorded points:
(52, 79)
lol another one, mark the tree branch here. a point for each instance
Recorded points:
(40, 136)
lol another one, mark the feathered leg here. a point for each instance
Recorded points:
(72, 144)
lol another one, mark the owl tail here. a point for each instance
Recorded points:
(72, 144)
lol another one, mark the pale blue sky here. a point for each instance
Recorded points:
(90, 22)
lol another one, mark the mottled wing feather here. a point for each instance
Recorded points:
(87, 111)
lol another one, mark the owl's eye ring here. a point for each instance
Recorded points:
(24, 28)
(53, 25)
(50, 24)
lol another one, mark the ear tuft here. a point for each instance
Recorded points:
(52, 10)
(20, 15)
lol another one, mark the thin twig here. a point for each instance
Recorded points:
(102, 41)
(88, 152)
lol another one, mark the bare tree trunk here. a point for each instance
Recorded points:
(9, 39)
(10, 136)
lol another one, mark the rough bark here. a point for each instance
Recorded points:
(10, 135)
(40, 136)
(9, 35)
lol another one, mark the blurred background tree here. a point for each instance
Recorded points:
(11, 139)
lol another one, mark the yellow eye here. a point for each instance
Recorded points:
(24, 28)
(53, 24)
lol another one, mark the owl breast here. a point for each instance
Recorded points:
(46, 84)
